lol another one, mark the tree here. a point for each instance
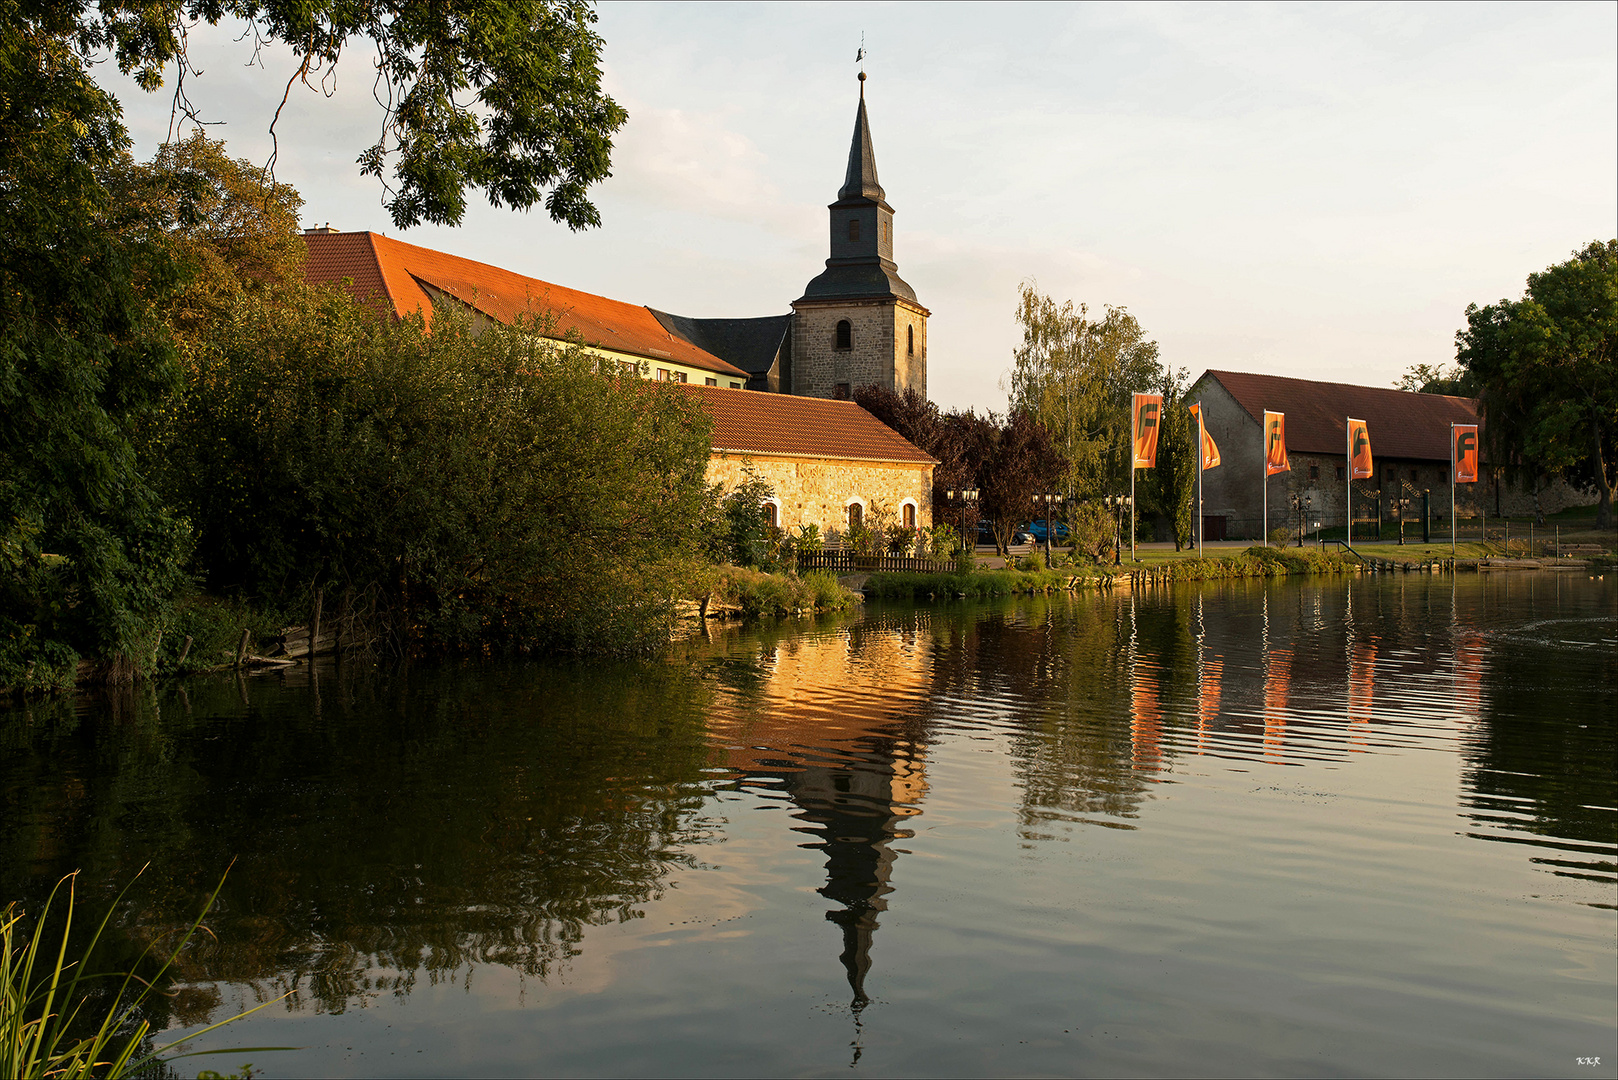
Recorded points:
(88, 556)
(1433, 379)
(1545, 369)
(1174, 486)
(1076, 375)
(503, 98)
(232, 230)
(1023, 463)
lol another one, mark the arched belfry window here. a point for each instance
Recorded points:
(910, 340)
(854, 229)
(845, 334)
(910, 515)
(856, 515)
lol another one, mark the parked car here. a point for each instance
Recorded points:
(986, 534)
(1036, 529)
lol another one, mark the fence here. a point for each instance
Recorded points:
(846, 562)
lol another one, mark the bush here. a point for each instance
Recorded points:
(758, 593)
(495, 491)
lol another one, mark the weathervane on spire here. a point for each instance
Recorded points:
(859, 58)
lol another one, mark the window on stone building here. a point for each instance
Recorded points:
(1339, 472)
(1413, 475)
(772, 516)
(910, 515)
(840, 391)
(845, 334)
(710, 382)
(854, 229)
(856, 515)
(910, 340)
(1314, 472)
(887, 232)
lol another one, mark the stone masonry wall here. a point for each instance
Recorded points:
(879, 354)
(818, 491)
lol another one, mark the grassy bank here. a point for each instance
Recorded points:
(1255, 561)
(979, 583)
(754, 592)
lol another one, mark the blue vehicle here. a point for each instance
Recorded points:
(1036, 529)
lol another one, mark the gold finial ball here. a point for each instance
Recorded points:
(862, 76)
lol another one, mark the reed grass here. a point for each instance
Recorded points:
(43, 1001)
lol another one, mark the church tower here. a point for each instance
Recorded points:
(859, 322)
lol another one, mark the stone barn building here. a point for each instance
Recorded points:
(1409, 445)
(831, 463)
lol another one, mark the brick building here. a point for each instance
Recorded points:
(1409, 442)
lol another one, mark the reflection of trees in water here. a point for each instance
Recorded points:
(384, 828)
(1538, 764)
(1055, 674)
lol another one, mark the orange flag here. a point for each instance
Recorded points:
(1359, 449)
(1275, 443)
(1465, 453)
(1210, 452)
(1148, 410)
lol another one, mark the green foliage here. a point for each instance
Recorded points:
(971, 583)
(1076, 374)
(503, 98)
(1546, 369)
(1174, 481)
(758, 593)
(42, 1005)
(90, 555)
(744, 535)
(1092, 529)
(497, 491)
(1435, 379)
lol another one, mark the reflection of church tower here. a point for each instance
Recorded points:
(859, 322)
(856, 809)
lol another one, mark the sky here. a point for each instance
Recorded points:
(1315, 191)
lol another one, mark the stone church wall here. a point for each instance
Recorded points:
(818, 491)
(880, 353)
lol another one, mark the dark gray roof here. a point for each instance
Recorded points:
(861, 183)
(750, 344)
(853, 279)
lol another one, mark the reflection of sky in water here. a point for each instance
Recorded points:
(1227, 829)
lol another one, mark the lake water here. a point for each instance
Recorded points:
(1297, 828)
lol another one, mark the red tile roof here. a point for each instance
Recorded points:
(398, 275)
(753, 422)
(1402, 424)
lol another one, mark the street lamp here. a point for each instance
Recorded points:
(1118, 503)
(1300, 503)
(966, 499)
(1049, 500)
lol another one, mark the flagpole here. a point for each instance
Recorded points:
(1132, 525)
(1348, 482)
(1452, 489)
(1264, 481)
(1201, 435)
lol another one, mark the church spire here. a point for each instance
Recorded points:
(860, 181)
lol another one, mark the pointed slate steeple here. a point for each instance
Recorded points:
(861, 182)
(861, 263)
